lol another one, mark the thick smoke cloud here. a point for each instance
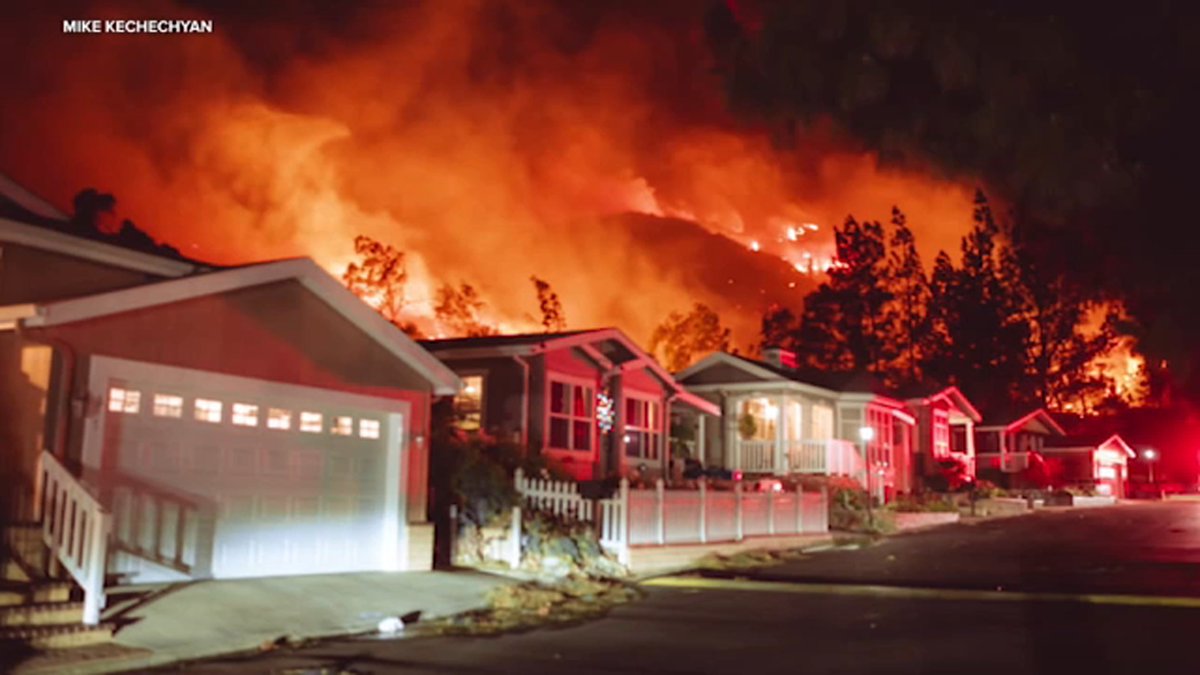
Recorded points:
(489, 139)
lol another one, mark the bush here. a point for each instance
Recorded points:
(924, 503)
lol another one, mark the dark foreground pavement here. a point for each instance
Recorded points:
(940, 611)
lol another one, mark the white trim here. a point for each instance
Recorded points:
(43, 238)
(702, 404)
(29, 201)
(304, 270)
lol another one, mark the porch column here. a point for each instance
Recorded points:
(732, 457)
(780, 463)
(700, 437)
(615, 463)
(970, 429)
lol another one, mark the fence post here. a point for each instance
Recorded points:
(660, 499)
(737, 508)
(799, 509)
(703, 512)
(824, 508)
(623, 522)
(771, 510)
(452, 535)
(514, 539)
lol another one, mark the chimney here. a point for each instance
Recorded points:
(779, 357)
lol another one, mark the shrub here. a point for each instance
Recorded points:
(924, 503)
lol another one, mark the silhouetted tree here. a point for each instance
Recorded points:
(458, 309)
(553, 318)
(910, 295)
(682, 338)
(380, 278)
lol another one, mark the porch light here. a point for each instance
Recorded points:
(772, 411)
(866, 434)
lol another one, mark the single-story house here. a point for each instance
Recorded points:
(1097, 462)
(781, 421)
(233, 422)
(1008, 444)
(945, 422)
(590, 400)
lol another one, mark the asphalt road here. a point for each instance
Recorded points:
(1113, 590)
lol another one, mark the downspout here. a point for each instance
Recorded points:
(524, 401)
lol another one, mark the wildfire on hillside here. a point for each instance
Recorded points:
(489, 141)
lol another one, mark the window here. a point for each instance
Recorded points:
(571, 422)
(368, 428)
(245, 415)
(311, 422)
(758, 420)
(208, 410)
(941, 433)
(643, 433)
(468, 404)
(166, 405)
(822, 422)
(278, 418)
(343, 426)
(124, 400)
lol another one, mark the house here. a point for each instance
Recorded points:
(1008, 444)
(780, 421)
(1095, 462)
(591, 400)
(945, 432)
(170, 420)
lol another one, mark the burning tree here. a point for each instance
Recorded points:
(682, 338)
(553, 318)
(458, 310)
(380, 278)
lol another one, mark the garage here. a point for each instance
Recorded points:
(227, 476)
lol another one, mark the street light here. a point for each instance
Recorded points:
(866, 435)
(1150, 456)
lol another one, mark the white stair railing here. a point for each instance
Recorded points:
(76, 528)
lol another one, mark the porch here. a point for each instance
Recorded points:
(828, 457)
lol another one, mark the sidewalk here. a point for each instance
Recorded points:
(208, 618)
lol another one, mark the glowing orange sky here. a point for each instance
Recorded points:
(420, 133)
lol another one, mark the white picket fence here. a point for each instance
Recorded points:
(661, 517)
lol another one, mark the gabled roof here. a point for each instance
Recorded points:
(1089, 442)
(303, 270)
(609, 348)
(1009, 421)
(18, 202)
(956, 398)
(826, 384)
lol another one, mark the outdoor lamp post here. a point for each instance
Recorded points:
(865, 436)
(1150, 456)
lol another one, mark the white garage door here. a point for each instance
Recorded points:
(300, 480)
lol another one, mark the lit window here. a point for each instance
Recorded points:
(468, 404)
(572, 423)
(643, 436)
(245, 415)
(166, 405)
(368, 428)
(343, 426)
(311, 422)
(208, 410)
(277, 418)
(124, 400)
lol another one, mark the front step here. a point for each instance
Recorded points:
(42, 614)
(58, 637)
(22, 593)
